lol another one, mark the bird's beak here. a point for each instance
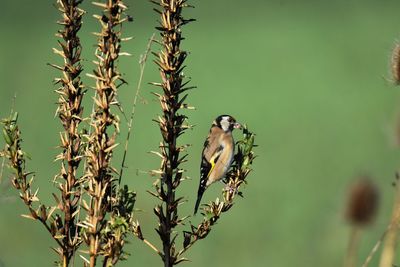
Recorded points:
(237, 125)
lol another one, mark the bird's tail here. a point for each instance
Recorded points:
(199, 196)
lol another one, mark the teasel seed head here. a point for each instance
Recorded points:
(362, 202)
(395, 64)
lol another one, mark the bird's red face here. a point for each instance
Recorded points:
(227, 123)
(237, 125)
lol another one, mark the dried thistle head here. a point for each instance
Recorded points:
(395, 64)
(362, 202)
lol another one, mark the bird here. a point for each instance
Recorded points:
(217, 155)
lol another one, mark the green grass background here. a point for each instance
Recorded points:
(310, 78)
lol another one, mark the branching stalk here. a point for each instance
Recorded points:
(22, 180)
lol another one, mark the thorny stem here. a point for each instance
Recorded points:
(69, 111)
(172, 124)
(167, 227)
(102, 141)
(16, 157)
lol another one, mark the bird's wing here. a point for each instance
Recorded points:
(207, 166)
(211, 152)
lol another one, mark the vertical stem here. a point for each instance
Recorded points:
(354, 241)
(105, 124)
(69, 111)
(93, 250)
(390, 244)
(388, 251)
(168, 262)
(107, 261)
(172, 123)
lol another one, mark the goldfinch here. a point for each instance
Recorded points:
(217, 155)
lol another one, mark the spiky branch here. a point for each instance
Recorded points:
(172, 123)
(22, 180)
(61, 225)
(109, 217)
(71, 92)
(102, 140)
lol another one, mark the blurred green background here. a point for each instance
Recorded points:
(310, 78)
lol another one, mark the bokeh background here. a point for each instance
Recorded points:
(310, 78)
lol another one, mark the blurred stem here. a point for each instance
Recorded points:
(376, 247)
(390, 235)
(388, 250)
(354, 242)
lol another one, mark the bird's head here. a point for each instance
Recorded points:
(227, 123)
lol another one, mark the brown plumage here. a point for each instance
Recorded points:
(217, 153)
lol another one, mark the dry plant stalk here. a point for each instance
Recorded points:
(71, 93)
(61, 225)
(390, 243)
(389, 236)
(109, 213)
(103, 238)
(172, 124)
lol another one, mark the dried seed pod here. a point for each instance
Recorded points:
(362, 202)
(395, 64)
